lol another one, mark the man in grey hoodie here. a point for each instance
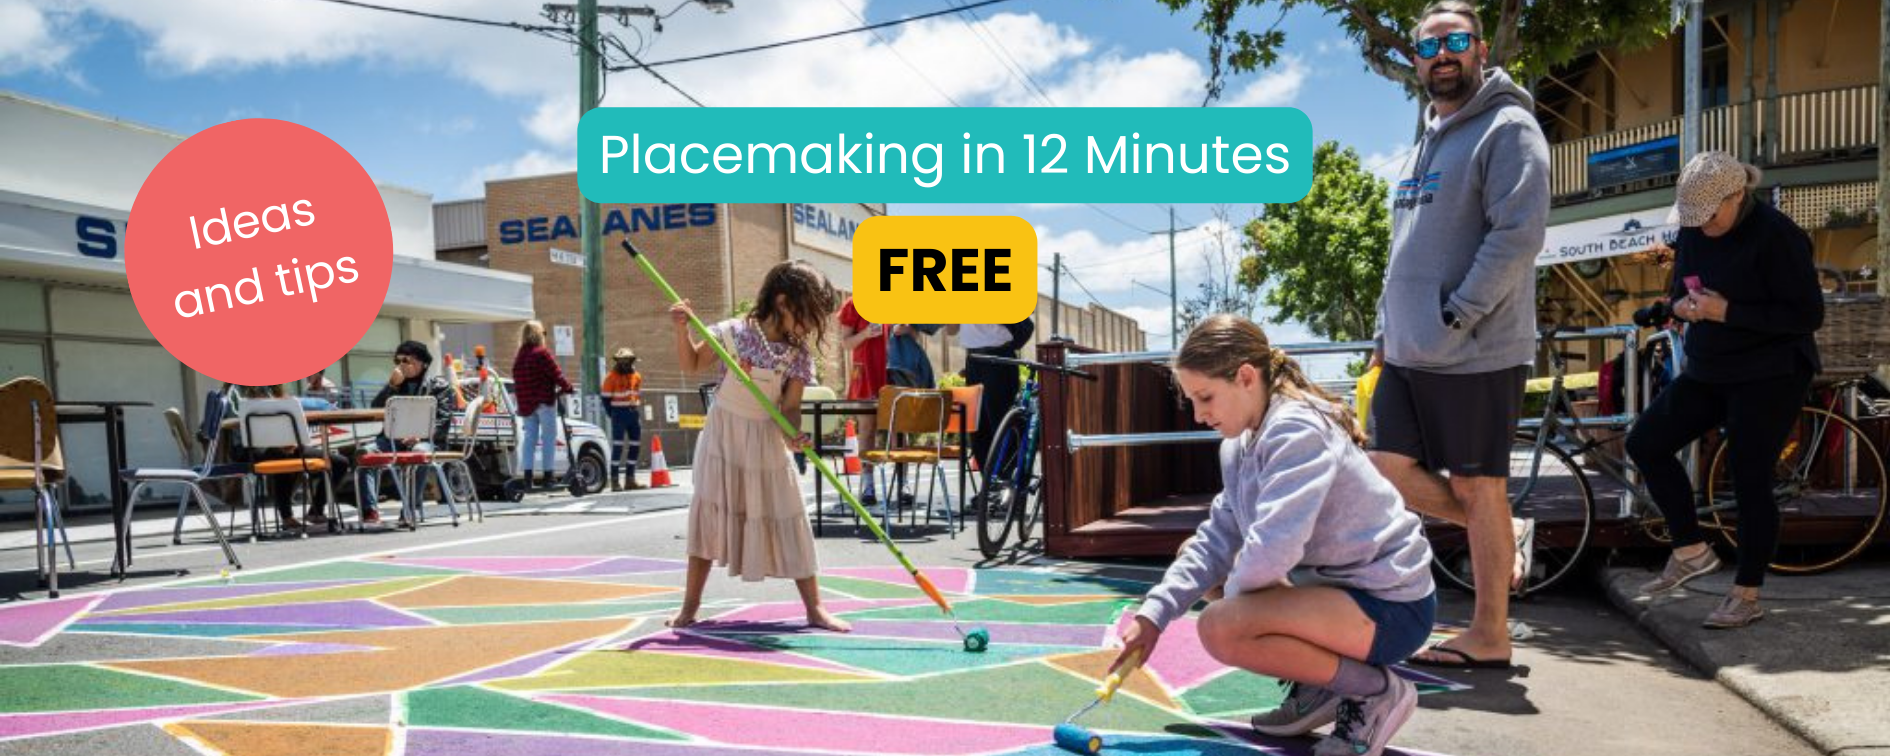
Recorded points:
(1457, 316)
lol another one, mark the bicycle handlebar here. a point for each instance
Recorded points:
(1032, 365)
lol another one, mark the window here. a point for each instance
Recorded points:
(1715, 67)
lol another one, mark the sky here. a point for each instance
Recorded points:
(442, 107)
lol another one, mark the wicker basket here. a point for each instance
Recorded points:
(1855, 338)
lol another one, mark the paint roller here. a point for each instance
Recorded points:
(978, 639)
(1075, 738)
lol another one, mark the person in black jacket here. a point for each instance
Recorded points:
(409, 378)
(1000, 381)
(1744, 280)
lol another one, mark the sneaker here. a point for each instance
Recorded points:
(371, 517)
(1365, 726)
(1306, 708)
(290, 523)
(316, 520)
(1678, 571)
(1734, 612)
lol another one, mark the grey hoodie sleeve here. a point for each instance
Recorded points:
(1300, 470)
(1516, 204)
(1199, 567)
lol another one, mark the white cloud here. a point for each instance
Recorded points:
(1387, 164)
(33, 38)
(533, 163)
(1154, 322)
(1274, 87)
(454, 126)
(971, 64)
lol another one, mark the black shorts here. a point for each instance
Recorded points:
(1463, 424)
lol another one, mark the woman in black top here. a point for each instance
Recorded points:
(1744, 281)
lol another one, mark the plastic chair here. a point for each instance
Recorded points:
(910, 416)
(276, 424)
(30, 460)
(465, 435)
(191, 476)
(409, 422)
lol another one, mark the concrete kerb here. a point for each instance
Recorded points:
(1735, 660)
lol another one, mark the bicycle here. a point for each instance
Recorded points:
(1830, 484)
(1011, 480)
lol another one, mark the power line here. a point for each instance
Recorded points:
(997, 46)
(894, 49)
(802, 40)
(444, 17)
(1107, 214)
(651, 71)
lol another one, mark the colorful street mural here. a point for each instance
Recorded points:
(535, 656)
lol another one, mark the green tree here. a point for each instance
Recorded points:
(1321, 260)
(1526, 39)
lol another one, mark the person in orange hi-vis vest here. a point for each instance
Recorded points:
(623, 394)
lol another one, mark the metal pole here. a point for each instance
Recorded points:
(1174, 307)
(588, 219)
(1690, 123)
(1056, 291)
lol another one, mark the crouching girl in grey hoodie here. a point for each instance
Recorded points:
(1299, 492)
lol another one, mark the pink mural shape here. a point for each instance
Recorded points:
(30, 623)
(790, 729)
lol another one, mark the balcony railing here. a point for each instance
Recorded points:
(1834, 120)
(1807, 126)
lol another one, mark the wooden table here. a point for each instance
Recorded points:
(112, 415)
(819, 408)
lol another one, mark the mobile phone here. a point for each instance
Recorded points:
(1692, 282)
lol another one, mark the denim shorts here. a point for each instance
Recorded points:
(1403, 626)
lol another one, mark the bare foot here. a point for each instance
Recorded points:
(825, 620)
(681, 620)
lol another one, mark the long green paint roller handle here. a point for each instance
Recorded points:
(649, 269)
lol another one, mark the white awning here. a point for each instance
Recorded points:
(1622, 234)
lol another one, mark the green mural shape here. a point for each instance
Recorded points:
(1232, 693)
(1027, 694)
(899, 656)
(472, 707)
(77, 687)
(870, 589)
(999, 610)
(1012, 582)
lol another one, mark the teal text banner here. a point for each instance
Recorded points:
(945, 154)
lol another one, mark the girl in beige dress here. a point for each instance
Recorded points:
(746, 512)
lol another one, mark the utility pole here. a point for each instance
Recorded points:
(1883, 150)
(1174, 286)
(1056, 291)
(590, 225)
(1690, 122)
(590, 361)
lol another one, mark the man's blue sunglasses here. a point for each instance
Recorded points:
(1457, 41)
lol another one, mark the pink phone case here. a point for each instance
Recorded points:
(1692, 282)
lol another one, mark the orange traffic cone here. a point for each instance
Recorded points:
(852, 459)
(659, 466)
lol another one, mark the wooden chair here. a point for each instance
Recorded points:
(915, 421)
(30, 460)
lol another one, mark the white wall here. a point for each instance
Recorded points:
(59, 153)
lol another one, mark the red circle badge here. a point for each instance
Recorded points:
(258, 252)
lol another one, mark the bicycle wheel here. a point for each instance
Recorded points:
(1549, 488)
(1006, 484)
(1829, 485)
